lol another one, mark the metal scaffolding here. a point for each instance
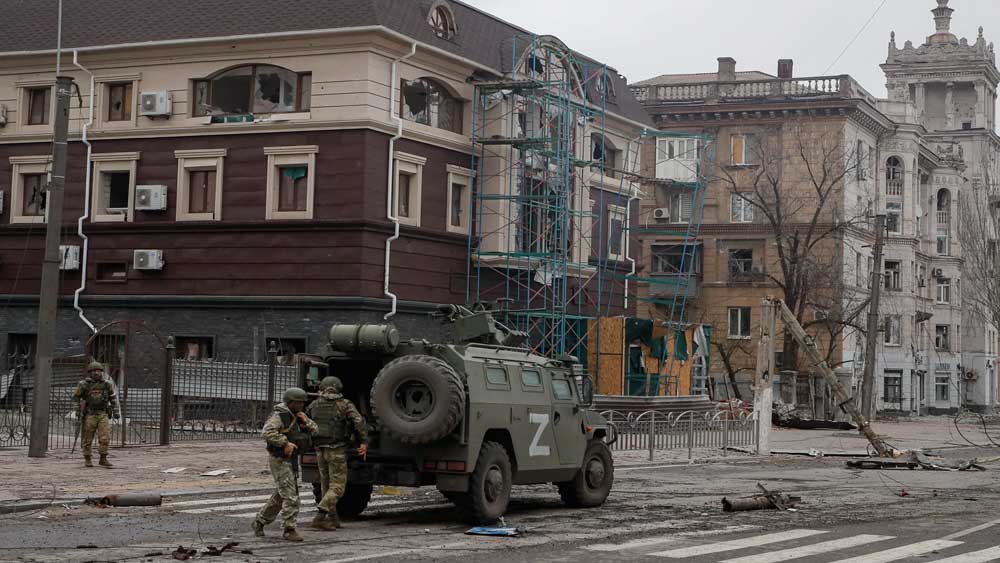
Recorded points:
(546, 173)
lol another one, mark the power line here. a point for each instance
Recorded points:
(856, 35)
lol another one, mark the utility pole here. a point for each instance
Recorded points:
(48, 299)
(763, 390)
(871, 342)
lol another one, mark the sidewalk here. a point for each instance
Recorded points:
(927, 433)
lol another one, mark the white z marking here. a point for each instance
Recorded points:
(542, 420)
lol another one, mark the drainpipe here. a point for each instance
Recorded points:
(390, 213)
(86, 202)
(628, 243)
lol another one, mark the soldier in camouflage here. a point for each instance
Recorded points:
(340, 424)
(97, 401)
(286, 433)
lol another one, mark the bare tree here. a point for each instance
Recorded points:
(795, 186)
(978, 228)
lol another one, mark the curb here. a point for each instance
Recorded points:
(14, 507)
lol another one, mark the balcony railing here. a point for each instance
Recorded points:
(894, 187)
(839, 86)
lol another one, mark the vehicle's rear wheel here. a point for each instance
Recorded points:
(418, 399)
(592, 483)
(355, 500)
(489, 486)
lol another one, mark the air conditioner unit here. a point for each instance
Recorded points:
(661, 213)
(938, 273)
(3, 115)
(70, 257)
(151, 198)
(155, 104)
(970, 375)
(147, 259)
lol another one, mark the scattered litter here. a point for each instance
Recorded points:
(183, 554)
(215, 472)
(43, 516)
(175, 470)
(86, 546)
(813, 452)
(493, 531)
(917, 460)
(766, 499)
(70, 507)
(212, 550)
(903, 492)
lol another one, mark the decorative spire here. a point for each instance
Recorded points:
(942, 23)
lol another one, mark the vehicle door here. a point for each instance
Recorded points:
(533, 433)
(567, 419)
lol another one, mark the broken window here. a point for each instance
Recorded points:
(442, 22)
(253, 89)
(120, 102)
(892, 328)
(293, 188)
(742, 149)
(427, 102)
(113, 193)
(616, 232)
(741, 264)
(457, 218)
(39, 100)
(673, 260)
(34, 195)
(941, 338)
(201, 191)
(741, 210)
(604, 155)
(287, 348)
(194, 347)
(893, 217)
(112, 272)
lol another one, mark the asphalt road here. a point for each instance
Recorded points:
(658, 513)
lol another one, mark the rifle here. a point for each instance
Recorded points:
(79, 424)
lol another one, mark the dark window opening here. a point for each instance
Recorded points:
(287, 348)
(120, 102)
(257, 89)
(604, 155)
(404, 195)
(427, 102)
(892, 388)
(34, 195)
(201, 191)
(966, 125)
(39, 100)
(114, 191)
(112, 272)
(194, 347)
(442, 22)
(741, 264)
(675, 260)
(457, 202)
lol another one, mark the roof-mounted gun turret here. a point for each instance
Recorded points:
(477, 325)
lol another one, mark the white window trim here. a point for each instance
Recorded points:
(113, 162)
(40, 164)
(729, 327)
(194, 160)
(101, 84)
(897, 322)
(289, 156)
(613, 212)
(463, 176)
(746, 208)
(414, 165)
(938, 287)
(22, 105)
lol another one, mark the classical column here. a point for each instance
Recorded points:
(918, 100)
(949, 106)
(981, 109)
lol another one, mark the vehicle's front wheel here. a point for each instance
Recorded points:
(489, 486)
(592, 483)
(355, 500)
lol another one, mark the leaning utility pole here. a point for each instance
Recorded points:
(48, 299)
(763, 390)
(871, 342)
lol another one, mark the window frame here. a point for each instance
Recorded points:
(945, 288)
(179, 339)
(897, 212)
(745, 212)
(461, 176)
(494, 368)
(947, 338)
(893, 330)
(532, 387)
(412, 165)
(24, 89)
(106, 263)
(459, 103)
(748, 311)
(106, 163)
(303, 104)
(892, 374)
(939, 385)
(746, 139)
(278, 157)
(21, 166)
(448, 29)
(127, 103)
(102, 85)
(555, 394)
(618, 211)
(197, 160)
(892, 278)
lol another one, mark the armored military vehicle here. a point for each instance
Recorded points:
(472, 418)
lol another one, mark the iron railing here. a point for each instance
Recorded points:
(655, 431)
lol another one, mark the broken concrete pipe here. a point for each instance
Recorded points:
(131, 499)
(757, 502)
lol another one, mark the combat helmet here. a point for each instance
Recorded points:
(293, 394)
(95, 365)
(331, 381)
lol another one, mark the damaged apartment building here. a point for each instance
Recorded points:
(799, 157)
(256, 175)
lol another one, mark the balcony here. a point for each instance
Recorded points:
(894, 187)
(833, 87)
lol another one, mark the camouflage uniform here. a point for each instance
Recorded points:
(99, 400)
(286, 498)
(335, 417)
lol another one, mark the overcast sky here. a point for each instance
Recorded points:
(645, 38)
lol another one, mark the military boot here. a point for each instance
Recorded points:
(333, 519)
(104, 461)
(87, 461)
(291, 535)
(322, 521)
(258, 528)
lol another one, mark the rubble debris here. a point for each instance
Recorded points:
(175, 470)
(130, 499)
(881, 464)
(212, 550)
(917, 460)
(766, 499)
(183, 554)
(786, 416)
(153, 554)
(215, 472)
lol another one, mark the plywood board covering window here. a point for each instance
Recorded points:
(291, 181)
(29, 183)
(199, 184)
(407, 188)
(39, 103)
(120, 101)
(459, 188)
(113, 198)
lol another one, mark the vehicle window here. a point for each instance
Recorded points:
(496, 376)
(531, 378)
(561, 390)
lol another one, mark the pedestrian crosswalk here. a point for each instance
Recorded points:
(796, 544)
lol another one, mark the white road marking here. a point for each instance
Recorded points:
(972, 530)
(408, 551)
(646, 542)
(753, 541)
(242, 506)
(991, 554)
(224, 500)
(640, 467)
(814, 549)
(903, 552)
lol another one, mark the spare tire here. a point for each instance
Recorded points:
(418, 399)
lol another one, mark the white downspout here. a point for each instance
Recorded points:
(86, 202)
(390, 213)
(628, 241)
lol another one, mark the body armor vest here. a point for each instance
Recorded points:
(97, 396)
(327, 415)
